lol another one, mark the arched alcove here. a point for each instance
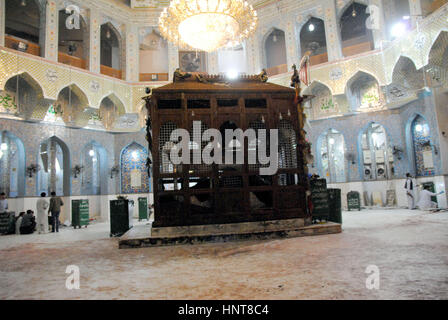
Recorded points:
(73, 44)
(134, 176)
(313, 38)
(94, 173)
(422, 154)
(376, 153)
(111, 108)
(54, 167)
(437, 67)
(72, 102)
(153, 57)
(322, 103)
(364, 93)
(111, 51)
(12, 165)
(331, 156)
(406, 75)
(355, 36)
(275, 52)
(24, 30)
(26, 95)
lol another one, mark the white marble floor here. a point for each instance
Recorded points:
(410, 249)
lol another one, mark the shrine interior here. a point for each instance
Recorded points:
(105, 108)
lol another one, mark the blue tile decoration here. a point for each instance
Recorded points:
(133, 157)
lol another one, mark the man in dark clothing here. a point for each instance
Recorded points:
(28, 223)
(55, 209)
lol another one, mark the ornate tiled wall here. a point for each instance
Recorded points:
(133, 162)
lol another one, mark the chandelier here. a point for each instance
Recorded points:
(207, 25)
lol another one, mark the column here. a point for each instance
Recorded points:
(253, 53)
(132, 53)
(332, 34)
(51, 31)
(173, 59)
(212, 63)
(2, 23)
(292, 56)
(376, 22)
(95, 41)
(415, 8)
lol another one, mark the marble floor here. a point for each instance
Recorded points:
(410, 249)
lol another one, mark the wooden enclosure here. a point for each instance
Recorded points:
(199, 194)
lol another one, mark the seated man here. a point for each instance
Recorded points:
(425, 202)
(28, 223)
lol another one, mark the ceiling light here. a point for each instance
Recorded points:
(311, 27)
(406, 17)
(274, 38)
(354, 13)
(207, 24)
(232, 74)
(398, 30)
(419, 128)
(134, 155)
(331, 141)
(4, 147)
(108, 35)
(91, 153)
(23, 3)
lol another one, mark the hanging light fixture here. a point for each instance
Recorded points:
(354, 13)
(311, 27)
(23, 3)
(108, 34)
(207, 25)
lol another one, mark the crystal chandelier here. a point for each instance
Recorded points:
(207, 24)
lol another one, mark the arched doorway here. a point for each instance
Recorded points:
(331, 152)
(54, 167)
(275, 52)
(377, 156)
(111, 51)
(73, 44)
(355, 36)
(422, 147)
(23, 30)
(313, 38)
(12, 165)
(134, 176)
(153, 57)
(94, 174)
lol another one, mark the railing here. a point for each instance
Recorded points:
(283, 68)
(111, 72)
(318, 59)
(357, 48)
(153, 77)
(13, 43)
(72, 61)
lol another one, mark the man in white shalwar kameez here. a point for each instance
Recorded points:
(42, 214)
(409, 186)
(425, 202)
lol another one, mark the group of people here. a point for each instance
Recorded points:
(425, 202)
(47, 214)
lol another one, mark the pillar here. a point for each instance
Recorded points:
(2, 23)
(51, 31)
(95, 41)
(173, 59)
(332, 33)
(132, 53)
(377, 23)
(415, 8)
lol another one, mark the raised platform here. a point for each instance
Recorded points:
(146, 236)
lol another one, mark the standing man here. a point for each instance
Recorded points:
(42, 215)
(409, 186)
(55, 209)
(3, 203)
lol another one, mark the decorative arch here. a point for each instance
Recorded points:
(437, 60)
(274, 49)
(313, 38)
(26, 95)
(376, 160)
(12, 165)
(153, 55)
(406, 75)
(355, 36)
(112, 51)
(134, 176)
(420, 146)
(54, 167)
(25, 24)
(323, 101)
(94, 174)
(330, 150)
(364, 92)
(73, 44)
(71, 102)
(111, 108)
